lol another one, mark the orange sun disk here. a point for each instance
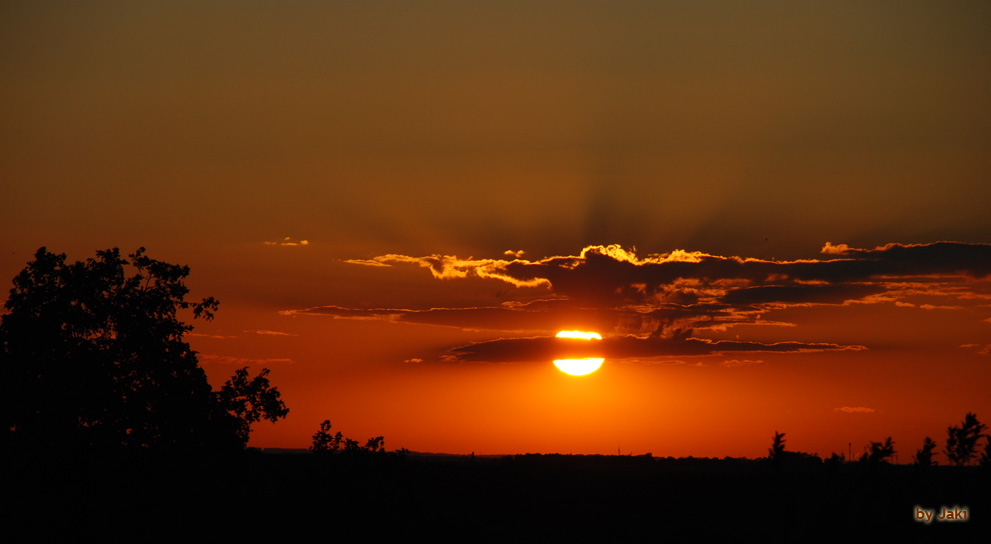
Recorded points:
(579, 367)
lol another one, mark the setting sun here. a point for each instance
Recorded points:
(578, 367)
(579, 334)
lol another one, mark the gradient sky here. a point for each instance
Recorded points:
(469, 179)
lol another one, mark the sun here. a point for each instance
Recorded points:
(579, 334)
(579, 367)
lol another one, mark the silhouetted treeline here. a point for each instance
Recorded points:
(521, 497)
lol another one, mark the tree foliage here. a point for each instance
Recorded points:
(247, 401)
(777, 449)
(961, 441)
(879, 452)
(780, 458)
(924, 457)
(93, 355)
(985, 459)
(324, 442)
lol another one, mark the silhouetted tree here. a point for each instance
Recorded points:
(834, 461)
(961, 442)
(924, 457)
(777, 449)
(93, 355)
(878, 452)
(324, 442)
(375, 445)
(780, 458)
(246, 402)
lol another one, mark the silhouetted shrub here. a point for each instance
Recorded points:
(324, 442)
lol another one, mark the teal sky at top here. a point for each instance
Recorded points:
(751, 128)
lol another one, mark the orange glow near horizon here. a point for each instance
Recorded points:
(578, 367)
(399, 209)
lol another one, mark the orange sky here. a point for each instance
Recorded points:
(410, 145)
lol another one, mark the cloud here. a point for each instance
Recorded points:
(940, 307)
(287, 241)
(452, 267)
(626, 347)
(802, 293)
(242, 361)
(830, 249)
(367, 262)
(612, 274)
(272, 333)
(665, 304)
(980, 349)
(537, 316)
(744, 362)
(854, 410)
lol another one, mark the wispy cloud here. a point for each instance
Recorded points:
(742, 362)
(854, 410)
(452, 267)
(980, 349)
(241, 361)
(272, 333)
(627, 347)
(288, 241)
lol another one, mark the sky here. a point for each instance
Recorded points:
(774, 213)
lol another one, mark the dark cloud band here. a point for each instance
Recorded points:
(662, 304)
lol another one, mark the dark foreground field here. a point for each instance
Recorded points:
(288, 496)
